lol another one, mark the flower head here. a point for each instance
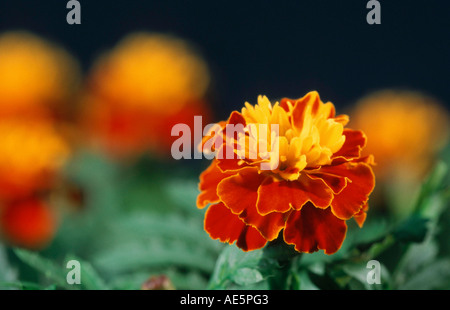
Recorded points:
(306, 178)
(36, 76)
(140, 89)
(406, 129)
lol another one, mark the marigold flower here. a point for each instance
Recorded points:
(31, 154)
(406, 129)
(140, 89)
(320, 181)
(29, 223)
(36, 76)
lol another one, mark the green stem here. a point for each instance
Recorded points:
(287, 258)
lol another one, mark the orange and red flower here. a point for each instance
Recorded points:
(317, 178)
(38, 84)
(406, 130)
(32, 155)
(139, 90)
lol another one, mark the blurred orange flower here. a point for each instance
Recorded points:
(29, 223)
(36, 77)
(31, 155)
(139, 90)
(406, 129)
(320, 179)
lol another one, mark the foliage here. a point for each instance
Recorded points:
(140, 220)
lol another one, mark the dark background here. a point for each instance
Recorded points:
(276, 48)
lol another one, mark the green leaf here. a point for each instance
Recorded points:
(21, 285)
(183, 193)
(242, 268)
(433, 276)
(433, 185)
(324, 281)
(48, 268)
(418, 256)
(246, 276)
(90, 279)
(305, 282)
(7, 272)
(153, 226)
(359, 272)
(137, 254)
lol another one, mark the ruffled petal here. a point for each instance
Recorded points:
(335, 182)
(342, 119)
(228, 160)
(268, 225)
(209, 179)
(280, 196)
(355, 140)
(222, 224)
(360, 217)
(227, 153)
(239, 191)
(309, 104)
(354, 196)
(214, 137)
(312, 229)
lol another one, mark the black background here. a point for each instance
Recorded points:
(276, 48)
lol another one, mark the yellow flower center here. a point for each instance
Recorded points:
(305, 141)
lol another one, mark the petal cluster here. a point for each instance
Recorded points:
(313, 181)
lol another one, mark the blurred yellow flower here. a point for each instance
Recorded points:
(136, 92)
(35, 75)
(31, 154)
(405, 130)
(153, 71)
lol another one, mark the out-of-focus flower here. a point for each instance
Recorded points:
(405, 131)
(31, 155)
(37, 78)
(29, 223)
(320, 180)
(140, 89)
(38, 85)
